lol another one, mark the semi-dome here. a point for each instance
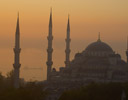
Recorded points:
(99, 46)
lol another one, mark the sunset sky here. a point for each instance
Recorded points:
(87, 18)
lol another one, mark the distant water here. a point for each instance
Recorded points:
(29, 74)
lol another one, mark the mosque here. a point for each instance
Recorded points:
(97, 63)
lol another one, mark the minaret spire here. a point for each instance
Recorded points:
(50, 20)
(68, 25)
(17, 50)
(68, 40)
(50, 49)
(127, 50)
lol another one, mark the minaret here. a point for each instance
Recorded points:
(50, 49)
(127, 50)
(17, 50)
(68, 40)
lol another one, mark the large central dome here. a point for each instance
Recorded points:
(99, 46)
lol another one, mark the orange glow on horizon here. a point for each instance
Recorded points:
(87, 18)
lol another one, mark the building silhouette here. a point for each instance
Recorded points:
(97, 63)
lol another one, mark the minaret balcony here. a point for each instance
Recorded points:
(68, 40)
(67, 50)
(50, 37)
(49, 63)
(49, 50)
(16, 66)
(17, 50)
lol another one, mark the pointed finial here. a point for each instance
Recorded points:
(68, 24)
(17, 26)
(68, 16)
(127, 42)
(99, 37)
(18, 19)
(18, 15)
(51, 10)
(50, 20)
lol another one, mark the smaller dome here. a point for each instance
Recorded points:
(78, 55)
(54, 69)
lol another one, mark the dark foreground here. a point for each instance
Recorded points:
(34, 91)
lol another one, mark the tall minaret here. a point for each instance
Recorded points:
(68, 40)
(127, 50)
(50, 49)
(17, 50)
